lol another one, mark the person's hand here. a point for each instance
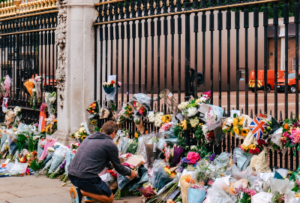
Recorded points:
(133, 174)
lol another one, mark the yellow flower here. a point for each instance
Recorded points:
(48, 128)
(235, 121)
(232, 135)
(168, 118)
(244, 147)
(43, 130)
(55, 121)
(167, 170)
(236, 130)
(83, 137)
(241, 122)
(136, 135)
(252, 146)
(72, 136)
(244, 132)
(163, 119)
(197, 101)
(93, 122)
(183, 124)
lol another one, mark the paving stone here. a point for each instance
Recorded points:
(37, 192)
(6, 196)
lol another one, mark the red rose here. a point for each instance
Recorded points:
(211, 136)
(112, 82)
(254, 151)
(261, 142)
(90, 111)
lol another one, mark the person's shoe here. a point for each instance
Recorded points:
(88, 199)
(75, 195)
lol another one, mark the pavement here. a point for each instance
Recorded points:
(29, 189)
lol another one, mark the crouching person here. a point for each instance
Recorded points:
(93, 155)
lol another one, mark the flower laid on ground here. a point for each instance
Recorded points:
(183, 105)
(166, 118)
(235, 126)
(165, 127)
(80, 134)
(204, 98)
(252, 148)
(151, 117)
(158, 119)
(193, 157)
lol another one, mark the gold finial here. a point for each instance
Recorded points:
(107, 12)
(113, 11)
(167, 3)
(160, 4)
(123, 9)
(174, 2)
(181, 1)
(142, 6)
(154, 4)
(118, 10)
(129, 9)
(135, 7)
(148, 6)
(102, 13)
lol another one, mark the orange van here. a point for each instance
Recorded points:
(260, 79)
(291, 82)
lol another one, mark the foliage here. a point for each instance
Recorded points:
(35, 165)
(21, 142)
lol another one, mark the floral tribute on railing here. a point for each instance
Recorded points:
(168, 169)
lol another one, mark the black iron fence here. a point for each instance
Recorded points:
(152, 45)
(27, 50)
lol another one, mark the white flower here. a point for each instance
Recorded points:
(81, 130)
(81, 124)
(52, 100)
(77, 135)
(194, 122)
(158, 123)
(204, 129)
(17, 110)
(33, 90)
(183, 105)
(151, 117)
(192, 111)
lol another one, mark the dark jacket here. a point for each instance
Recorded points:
(93, 155)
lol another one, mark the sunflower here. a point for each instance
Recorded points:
(83, 137)
(252, 146)
(43, 130)
(244, 132)
(168, 118)
(93, 122)
(244, 147)
(163, 119)
(236, 130)
(55, 121)
(241, 122)
(72, 135)
(235, 121)
(136, 135)
(48, 128)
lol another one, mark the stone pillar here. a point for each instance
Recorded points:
(74, 75)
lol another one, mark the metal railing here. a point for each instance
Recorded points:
(27, 49)
(152, 45)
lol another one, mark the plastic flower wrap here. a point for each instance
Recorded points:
(241, 158)
(37, 85)
(58, 157)
(236, 126)
(50, 99)
(141, 103)
(148, 190)
(109, 87)
(170, 100)
(161, 178)
(193, 157)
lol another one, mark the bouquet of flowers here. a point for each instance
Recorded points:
(50, 99)
(156, 118)
(110, 87)
(169, 100)
(37, 81)
(81, 133)
(291, 133)
(18, 116)
(252, 148)
(236, 126)
(5, 90)
(125, 113)
(34, 99)
(204, 98)
(93, 110)
(244, 195)
(141, 104)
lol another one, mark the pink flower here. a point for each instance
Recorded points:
(119, 84)
(193, 157)
(93, 108)
(165, 127)
(251, 192)
(295, 136)
(208, 94)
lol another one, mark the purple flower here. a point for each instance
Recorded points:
(185, 160)
(212, 157)
(36, 125)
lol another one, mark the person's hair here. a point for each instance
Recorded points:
(109, 127)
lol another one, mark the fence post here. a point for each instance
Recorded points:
(187, 6)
